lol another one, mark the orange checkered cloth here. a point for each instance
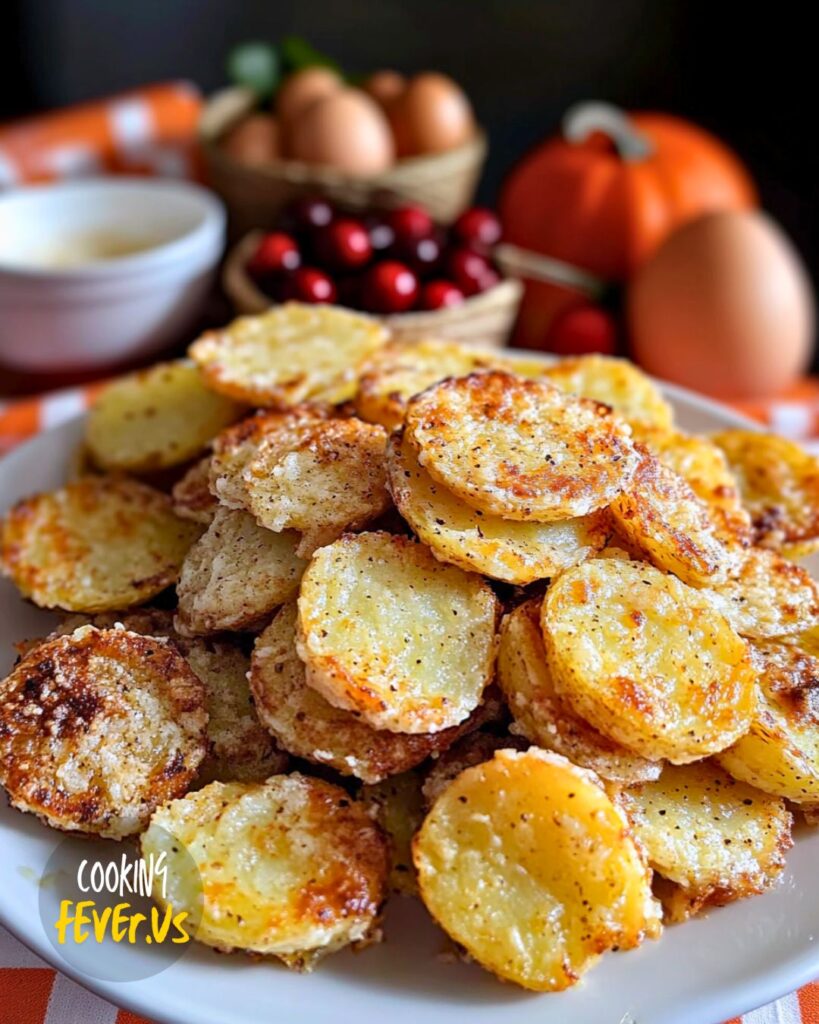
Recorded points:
(31, 992)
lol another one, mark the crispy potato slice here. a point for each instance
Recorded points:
(290, 354)
(808, 641)
(705, 469)
(324, 479)
(307, 726)
(779, 484)
(239, 747)
(292, 867)
(236, 575)
(717, 839)
(97, 544)
(526, 862)
(98, 728)
(191, 495)
(780, 752)
(769, 597)
(154, 418)
(470, 750)
(390, 633)
(400, 370)
(235, 447)
(647, 660)
(520, 449)
(617, 383)
(398, 807)
(543, 717)
(477, 541)
(662, 516)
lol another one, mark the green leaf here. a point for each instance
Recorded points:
(255, 66)
(297, 53)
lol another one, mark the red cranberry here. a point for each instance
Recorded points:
(343, 245)
(471, 271)
(410, 222)
(275, 254)
(309, 212)
(382, 235)
(389, 287)
(583, 329)
(440, 294)
(422, 254)
(310, 285)
(478, 227)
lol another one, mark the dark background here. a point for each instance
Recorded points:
(748, 72)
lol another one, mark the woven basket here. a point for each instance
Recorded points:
(485, 320)
(444, 183)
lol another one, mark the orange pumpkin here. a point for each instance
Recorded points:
(607, 192)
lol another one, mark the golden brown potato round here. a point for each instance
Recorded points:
(717, 839)
(780, 752)
(239, 747)
(322, 480)
(808, 640)
(526, 863)
(398, 807)
(779, 484)
(477, 541)
(661, 515)
(705, 469)
(290, 354)
(98, 728)
(647, 660)
(390, 633)
(235, 447)
(402, 369)
(191, 495)
(159, 417)
(545, 718)
(520, 449)
(236, 575)
(100, 543)
(292, 867)
(307, 726)
(617, 383)
(768, 597)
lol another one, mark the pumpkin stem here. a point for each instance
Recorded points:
(583, 119)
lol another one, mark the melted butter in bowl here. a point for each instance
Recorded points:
(100, 271)
(89, 247)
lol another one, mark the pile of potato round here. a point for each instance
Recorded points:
(447, 623)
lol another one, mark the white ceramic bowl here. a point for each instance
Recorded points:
(60, 312)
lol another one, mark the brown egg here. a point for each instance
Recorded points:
(432, 115)
(301, 90)
(348, 131)
(385, 87)
(254, 140)
(724, 307)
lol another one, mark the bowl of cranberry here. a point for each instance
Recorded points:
(419, 278)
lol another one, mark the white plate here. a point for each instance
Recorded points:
(702, 972)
